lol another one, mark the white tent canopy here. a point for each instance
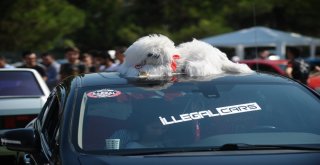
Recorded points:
(263, 37)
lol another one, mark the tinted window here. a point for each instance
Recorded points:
(51, 121)
(19, 84)
(50, 124)
(197, 114)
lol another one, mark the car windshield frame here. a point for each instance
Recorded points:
(206, 92)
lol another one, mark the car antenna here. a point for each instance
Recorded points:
(255, 34)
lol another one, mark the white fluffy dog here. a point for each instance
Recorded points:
(156, 56)
(199, 58)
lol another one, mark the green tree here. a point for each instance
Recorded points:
(180, 20)
(103, 24)
(120, 22)
(38, 25)
(288, 15)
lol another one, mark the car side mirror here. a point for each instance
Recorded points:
(22, 139)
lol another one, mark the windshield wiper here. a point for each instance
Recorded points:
(244, 146)
(225, 147)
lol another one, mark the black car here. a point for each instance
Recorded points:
(104, 118)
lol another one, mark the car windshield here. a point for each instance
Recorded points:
(19, 83)
(196, 114)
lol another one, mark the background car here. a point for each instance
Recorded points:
(272, 66)
(279, 67)
(23, 92)
(313, 62)
(314, 81)
(104, 118)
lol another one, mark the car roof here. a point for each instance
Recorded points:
(19, 70)
(114, 78)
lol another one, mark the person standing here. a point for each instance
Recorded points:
(108, 65)
(87, 60)
(4, 64)
(74, 66)
(30, 61)
(297, 68)
(52, 69)
(120, 57)
(264, 55)
(98, 60)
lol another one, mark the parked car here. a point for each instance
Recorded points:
(314, 81)
(272, 66)
(314, 78)
(313, 62)
(104, 118)
(279, 66)
(23, 92)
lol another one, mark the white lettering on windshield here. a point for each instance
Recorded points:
(228, 110)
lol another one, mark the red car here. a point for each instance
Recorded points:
(279, 67)
(314, 81)
(273, 66)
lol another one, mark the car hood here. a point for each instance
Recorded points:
(21, 105)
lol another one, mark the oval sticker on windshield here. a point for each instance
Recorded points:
(103, 93)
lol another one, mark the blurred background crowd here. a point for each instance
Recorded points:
(74, 62)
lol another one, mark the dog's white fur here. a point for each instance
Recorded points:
(199, 58)
(153, 56)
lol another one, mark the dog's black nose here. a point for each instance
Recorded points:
(150, 54)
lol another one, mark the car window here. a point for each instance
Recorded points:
(20, 83)
(50, 120)
(45, 109)
(189, 114)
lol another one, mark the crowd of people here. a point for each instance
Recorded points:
(75, 63)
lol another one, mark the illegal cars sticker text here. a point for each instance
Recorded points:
(221, 111)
